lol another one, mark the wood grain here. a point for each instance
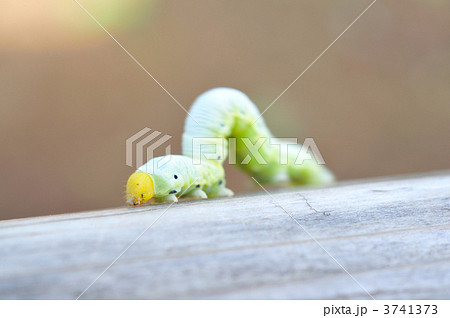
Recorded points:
(392, 235)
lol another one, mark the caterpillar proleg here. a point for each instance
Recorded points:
(222, 115)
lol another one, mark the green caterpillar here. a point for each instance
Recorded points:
(220, 118)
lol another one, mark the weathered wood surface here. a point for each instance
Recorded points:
(392, 235)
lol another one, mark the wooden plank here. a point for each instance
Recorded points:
(392, 235)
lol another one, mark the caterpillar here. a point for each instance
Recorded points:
(219, 118)
(166, 180)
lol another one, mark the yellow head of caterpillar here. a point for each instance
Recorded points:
(139, 188)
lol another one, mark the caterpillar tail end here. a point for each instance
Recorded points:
(310, 173)
(139, 188)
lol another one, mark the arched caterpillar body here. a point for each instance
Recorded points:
(224, 113)
(217, 117)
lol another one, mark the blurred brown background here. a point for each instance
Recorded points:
(377, 103)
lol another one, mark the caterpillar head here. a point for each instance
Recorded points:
(139, 188)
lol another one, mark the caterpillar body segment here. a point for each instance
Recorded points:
(224, 113)
(167, 178)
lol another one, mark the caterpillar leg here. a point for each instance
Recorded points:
(220, 191)
(171, 198)
(197, 194)
(225, 192)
